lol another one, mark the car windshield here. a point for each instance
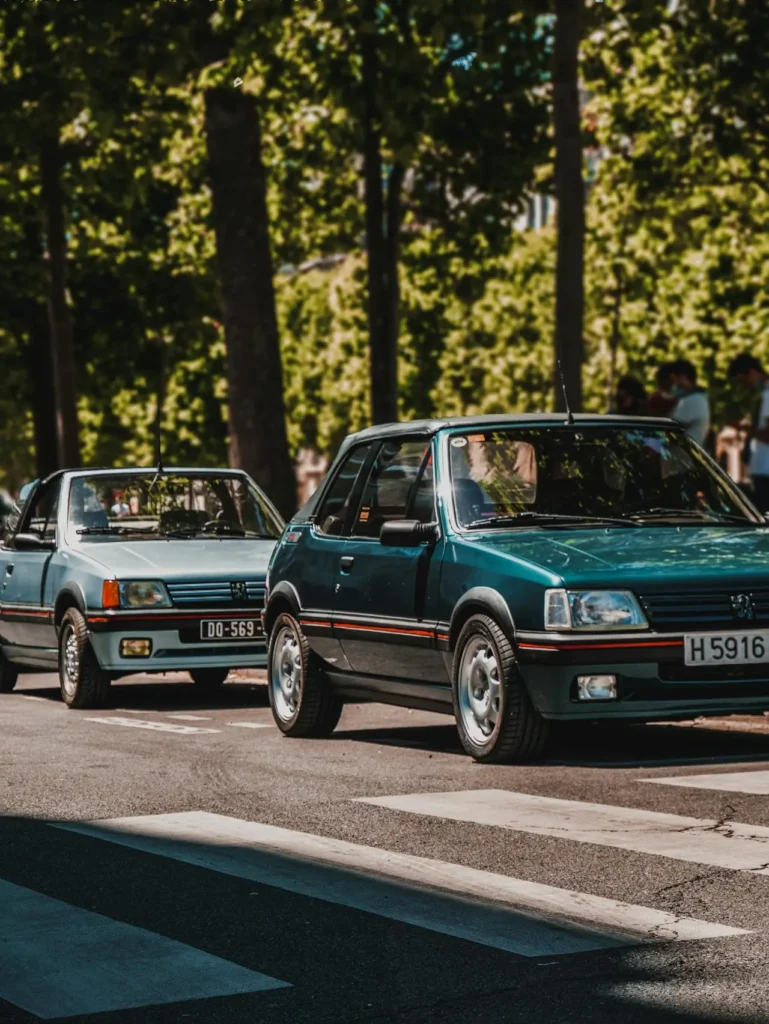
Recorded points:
(150, 505)
(574, 473)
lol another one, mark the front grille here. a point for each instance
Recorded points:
(678, 672)
(210, 593)
(703, 610)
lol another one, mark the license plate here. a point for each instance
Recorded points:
(727, 648)
(230, 629)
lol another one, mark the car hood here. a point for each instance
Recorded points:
(669, 556)
(190, 559)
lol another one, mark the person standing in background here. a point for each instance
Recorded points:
(692, 410)
(748, 372)
(663, 401)
(630, 397)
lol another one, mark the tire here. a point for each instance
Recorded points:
(209, 680)
(9, 674)
(495, 724)
(83, 682)
(301, 698)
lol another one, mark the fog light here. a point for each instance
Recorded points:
(597, 687)
(135, 648)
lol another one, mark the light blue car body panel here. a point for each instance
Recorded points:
(37, 587)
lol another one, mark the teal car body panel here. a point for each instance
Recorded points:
(384, 620)
(207, 579)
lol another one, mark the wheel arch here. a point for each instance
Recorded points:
(283, 598)
(481, 601)
(70, 596)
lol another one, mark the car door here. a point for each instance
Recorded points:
(387, 600)
(26, 620)
(312, 565)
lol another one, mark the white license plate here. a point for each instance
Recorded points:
(230, 629)
(746, 648)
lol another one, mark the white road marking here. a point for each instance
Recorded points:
(251, 725)
(137, 723)
(189, 718)
(510, 914)
(62, 961)
(29, 696)
(696, 840)
(729, 782)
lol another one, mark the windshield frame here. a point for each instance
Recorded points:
(70, 530)
(754, 519)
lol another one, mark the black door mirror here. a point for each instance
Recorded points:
(407, 533)
(33, 542)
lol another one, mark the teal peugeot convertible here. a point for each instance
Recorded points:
(104, 573)
(520, 570)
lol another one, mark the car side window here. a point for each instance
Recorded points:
(40, 517)
(330, 517)
(391, 485)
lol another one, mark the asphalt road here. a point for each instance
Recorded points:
(376, 876)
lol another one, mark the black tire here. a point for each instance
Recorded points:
(209, 680)
(84, 684)
(519, 732)
(317, 708)
(9, 674)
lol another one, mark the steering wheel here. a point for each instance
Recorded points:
(225, 525)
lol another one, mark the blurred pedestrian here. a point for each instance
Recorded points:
(692, 410)
(662, 401)
(630, 397)
(748, 372)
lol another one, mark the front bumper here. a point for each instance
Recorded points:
(175, 637)
(652, 680)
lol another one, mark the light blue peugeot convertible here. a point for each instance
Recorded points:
(110, 572)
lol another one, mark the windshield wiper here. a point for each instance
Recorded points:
(662, 512)
(85, 530)
(515, 518)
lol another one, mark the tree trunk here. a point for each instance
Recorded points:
(381, 319)
(60, 321)
(570, 195)
(43, 398)
(258, 441)
(391, 283)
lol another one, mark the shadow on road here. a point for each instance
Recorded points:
(348, 965)
(170, 695)
(602, 746)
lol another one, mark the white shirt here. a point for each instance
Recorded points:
(693, 412)
(759, 450)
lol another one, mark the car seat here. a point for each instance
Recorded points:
(469, 500)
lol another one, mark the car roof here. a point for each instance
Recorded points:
(432, 426)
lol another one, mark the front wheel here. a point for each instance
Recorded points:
(209, 680)
(9, 674)
(84, 683)
(301, 698)
(495, 718)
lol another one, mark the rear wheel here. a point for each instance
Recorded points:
(301, 698)
(495, 717)
(209, 680)
(9, 674)
(84, 683)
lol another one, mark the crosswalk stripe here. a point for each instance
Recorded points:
(526, 918)
(729, 782)
(137, 723)
(189, 718)
(250, 725)
(696, 840)
(62, 961)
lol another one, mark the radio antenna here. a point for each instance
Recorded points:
(569, 416)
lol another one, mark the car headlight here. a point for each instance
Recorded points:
(144, 594)
(593, 609)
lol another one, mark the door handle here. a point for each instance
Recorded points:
(346, 563)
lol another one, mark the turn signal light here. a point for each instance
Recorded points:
(110, 594)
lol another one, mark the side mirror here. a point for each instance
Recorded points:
(407, 533)
(33, 542)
